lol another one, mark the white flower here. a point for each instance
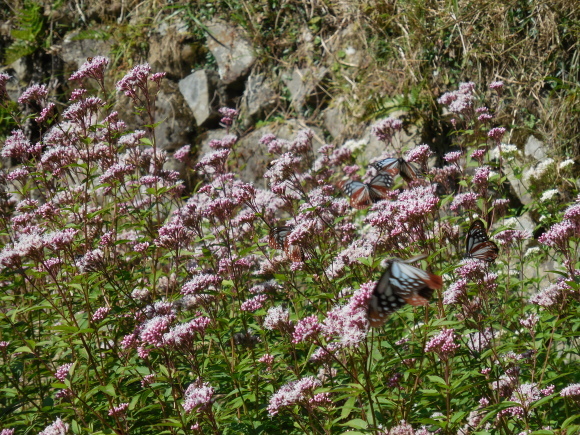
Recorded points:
(532, 251)
(355, 145)
(511, 223)
(548, 195)
(508, 151)
(539, 170)
(566, 163)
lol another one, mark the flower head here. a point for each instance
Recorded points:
(198, 396)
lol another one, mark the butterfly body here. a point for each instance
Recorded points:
(400, 284)
(393, 166)
(478, 245)
(362, 195)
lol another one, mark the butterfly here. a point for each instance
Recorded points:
(277, 240)
(392, 166)
(363, 195)
(400, 284)
(478, 245)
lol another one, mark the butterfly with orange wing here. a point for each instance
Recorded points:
(392, 166)
(478, 245)
(362, 195)
(278, 240)
(400, 284)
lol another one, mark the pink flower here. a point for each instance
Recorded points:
(292, 393)
(147, 380)
(267, 359)
(559, 234)
(530, 321)
(320, 399)
(59, 427)
(134, 80)
(481, 177)
(118, 411)
(454, 293)
(100, 314)
(305, 329)
(254, 303)
(452, 157)
(509, 237)
(419, 154)
(443, 344)
(466, 201)
(45, 113)
(571, 390)
(385, 129)
(302, 142)
(198, 396)
(183, 334)
(551, 295)
(498, 85)
(229, 115)
(496, 133)
(94, 68)
(182, 154)
(62, 372)
(154, 329)
(471, 269)
(16, 145)
(277, 318)
(478, 154)
(37, 93)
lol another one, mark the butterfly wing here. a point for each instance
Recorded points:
(486, 251)
(400, 284)
(379, 186)
(277, 237)
(408, 170)
(478, 245)
(358, 193)
(389, 165)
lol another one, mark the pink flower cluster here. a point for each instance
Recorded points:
(294, 392)
(118, 411)
(385, 129)
(443, 344)
(198, 396)
(59, 427)
(572, 390)
(62, 372)
(460, 101)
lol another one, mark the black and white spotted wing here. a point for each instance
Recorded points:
(362, 195)
(393, 166)
(478, 245)
(400, 284)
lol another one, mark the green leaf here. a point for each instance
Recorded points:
(357, 423)
(348, 407)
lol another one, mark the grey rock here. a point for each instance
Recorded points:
(347, 48)
(535, 148)
(199, 91)
(233, 53)
(303, 83)
(519, 189)
(178, 127)
(168, 50)
(335, 119)
(76, 51)
(259, 97)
